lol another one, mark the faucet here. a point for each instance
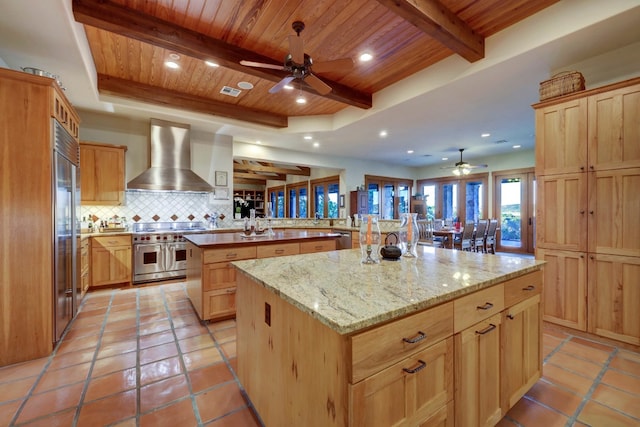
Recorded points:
(317, 218)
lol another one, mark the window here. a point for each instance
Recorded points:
(297, 200)
(449, 198)
(325, 197)
(276, 197)
(388, 197)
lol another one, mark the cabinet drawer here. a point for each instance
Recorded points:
(228, 254)
(111, 241)
(375, 349)
(319, 246)
(218, 276)
(267, 251)
(521, 288)
(219, 304)
(477, 306)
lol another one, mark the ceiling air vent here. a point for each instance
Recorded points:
(226, 90)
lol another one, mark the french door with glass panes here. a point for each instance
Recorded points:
(514, 207)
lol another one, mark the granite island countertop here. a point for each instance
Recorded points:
(347, 296)
(235, 239)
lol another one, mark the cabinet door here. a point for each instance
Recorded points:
(110, 265)
(561, 217)
(614, 297)
(565, 288)
(101, 175)
(613, 129)
(521, 350)
(614, 212)
(477, 379)
(408, 392)
(219, 304)
(561, 138)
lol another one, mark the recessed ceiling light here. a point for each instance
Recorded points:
(258, 142)
(316, 144)
(445, 158)
(383, 133)
(308, 137)
(288, 87)
(366, 57)
(171, 64)
(485, 135)
(409, 151)
(174, 56)
(211, 63)
(245, 85)
(516, 146)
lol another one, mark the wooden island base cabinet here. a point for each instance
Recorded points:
(464, 362)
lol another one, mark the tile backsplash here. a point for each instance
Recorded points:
(165, 206)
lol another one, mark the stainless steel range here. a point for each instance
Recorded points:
(160, 251)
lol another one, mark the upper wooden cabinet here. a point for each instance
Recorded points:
(561, 138)
(102, 174)
(589, 131)
(614, 129)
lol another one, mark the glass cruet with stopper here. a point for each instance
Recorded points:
(370, 239)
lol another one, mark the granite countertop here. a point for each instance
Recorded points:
(348, 296)
(221, 240)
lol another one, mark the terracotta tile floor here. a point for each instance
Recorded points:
(140, 357)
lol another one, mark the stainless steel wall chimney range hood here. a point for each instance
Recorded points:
(170, 170)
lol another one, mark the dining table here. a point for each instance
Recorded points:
(449, 235)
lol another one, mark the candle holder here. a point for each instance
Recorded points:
(408, 235)
(370, 240)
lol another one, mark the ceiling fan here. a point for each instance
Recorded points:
(462, 167)
(300, 65)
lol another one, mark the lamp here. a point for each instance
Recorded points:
(461, 170)
(300, 99)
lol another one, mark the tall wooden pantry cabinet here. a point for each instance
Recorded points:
(588, 215)
(31, 299)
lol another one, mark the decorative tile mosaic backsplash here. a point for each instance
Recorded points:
(165, 206)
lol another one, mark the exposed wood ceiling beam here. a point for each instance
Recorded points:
(249, 181)
(140, 91)
(110, 16)
(252, 167)
(277, 177)
(440, 23)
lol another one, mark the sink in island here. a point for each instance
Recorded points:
(323, 340)
(211, 280)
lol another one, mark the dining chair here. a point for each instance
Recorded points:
(480, 235)
(426, 238)
(464, 242)
(490, 241)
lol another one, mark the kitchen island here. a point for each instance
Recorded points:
(323, 340)
(211, 280)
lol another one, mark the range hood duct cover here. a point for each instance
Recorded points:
(170, 147)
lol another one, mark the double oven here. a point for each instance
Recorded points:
(160, 250)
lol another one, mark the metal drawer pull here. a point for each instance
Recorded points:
(488, 329)
(486, 306)
(279, 251)
(529, 288)
(232, 255)
(420, 367)
(511, 316)
(421, 335)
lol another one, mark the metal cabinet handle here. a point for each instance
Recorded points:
(231, 255)
(421, 335)
(582, 212)
(421, 366)
(529, 288)
(486, 306)
(510, 316)
(486, 330)
(279, 251)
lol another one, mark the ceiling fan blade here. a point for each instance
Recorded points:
(281, 84)
(477, 166)
(321, 87)
(261, 65)
(344, 64)
(296, 49)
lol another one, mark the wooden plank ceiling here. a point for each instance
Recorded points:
(131, 39)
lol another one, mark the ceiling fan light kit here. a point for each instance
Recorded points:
(300, 65)
(462, 168)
